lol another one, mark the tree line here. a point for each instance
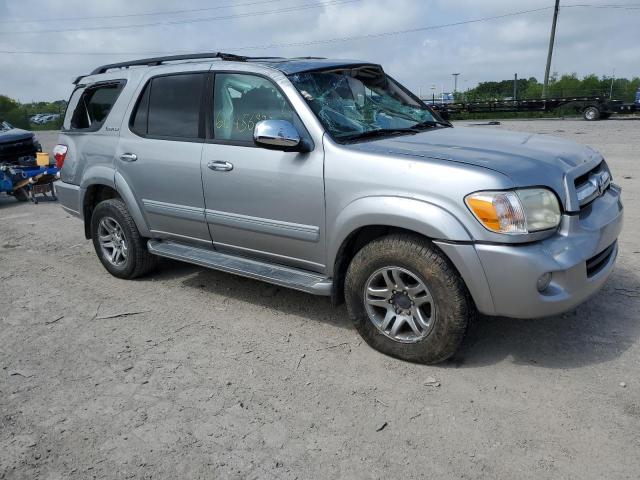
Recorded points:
(18, 114)
(568, 85)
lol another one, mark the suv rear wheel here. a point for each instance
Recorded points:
(407, 300)
(116, 239)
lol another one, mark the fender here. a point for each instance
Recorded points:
(101, 174)
(432, 221)
(419, 216)
(122, 187)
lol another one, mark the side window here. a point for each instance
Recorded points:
(93, 105)
(139, 122)
(169, 106)
(242, 100)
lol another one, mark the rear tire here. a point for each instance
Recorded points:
(422, 268)
(591, 113)
(21, 194)
(118, 244)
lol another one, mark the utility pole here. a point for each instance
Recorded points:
(515, 86)
(550, 53)
(613, 76)
(455, 82)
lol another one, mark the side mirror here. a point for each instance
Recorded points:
(278, 135)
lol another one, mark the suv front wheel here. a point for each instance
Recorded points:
(116, 239)
(407, 300)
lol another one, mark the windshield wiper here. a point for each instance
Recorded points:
(380, 132)
(431, 124)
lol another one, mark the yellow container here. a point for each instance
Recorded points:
(42, 159)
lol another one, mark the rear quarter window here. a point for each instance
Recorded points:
(89, 106)
(170, 107)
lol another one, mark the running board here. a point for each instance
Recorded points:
(246, 267)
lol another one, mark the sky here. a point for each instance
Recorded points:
(64, 43)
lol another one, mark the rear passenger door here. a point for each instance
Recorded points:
(159, 155)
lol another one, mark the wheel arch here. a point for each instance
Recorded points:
(93, 195)
(126, 193)
(372, 217)
(99, 191)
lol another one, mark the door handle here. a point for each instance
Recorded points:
(128, 157)
(219, 166)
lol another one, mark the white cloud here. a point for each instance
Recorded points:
(588, 40)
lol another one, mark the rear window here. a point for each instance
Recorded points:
(92, 105)
(170, 107)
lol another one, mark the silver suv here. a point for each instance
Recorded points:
(330, 177)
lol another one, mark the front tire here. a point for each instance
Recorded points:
(406, 300)
(118, 244)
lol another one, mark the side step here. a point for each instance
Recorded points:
(246, 267)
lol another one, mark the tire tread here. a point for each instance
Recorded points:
(458, 297)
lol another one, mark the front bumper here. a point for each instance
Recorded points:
(580, 256)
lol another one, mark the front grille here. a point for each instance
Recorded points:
(597, 262)
(592, 184)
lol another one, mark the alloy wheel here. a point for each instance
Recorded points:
(113, 243)
(399, 304)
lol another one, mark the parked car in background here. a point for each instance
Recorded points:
(47, 118)
(36, 118)
(17, 146)
(330, 177)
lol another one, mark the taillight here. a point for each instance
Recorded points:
(60, 153)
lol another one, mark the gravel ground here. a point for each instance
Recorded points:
(190, 373)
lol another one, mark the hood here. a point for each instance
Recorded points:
(14, 135)
(528, 159)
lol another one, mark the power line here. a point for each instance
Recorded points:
(305, 43)
(193, 20)
(619, 6)
(145, 14)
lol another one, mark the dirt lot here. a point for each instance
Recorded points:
(208, 375)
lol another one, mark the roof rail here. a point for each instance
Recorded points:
(170, 58)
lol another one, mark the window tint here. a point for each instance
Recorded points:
(240, 101)
(94, 104)
(173, 106)
(141, 114)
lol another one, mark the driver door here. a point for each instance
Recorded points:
(261, 203)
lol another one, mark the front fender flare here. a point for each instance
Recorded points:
(418, 216)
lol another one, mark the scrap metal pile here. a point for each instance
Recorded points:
(26, 182)
(24, 170)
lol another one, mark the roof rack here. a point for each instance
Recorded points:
(170, 58)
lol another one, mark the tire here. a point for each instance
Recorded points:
(134, 259)
(416, 260)
(591, 113)
(21, 194)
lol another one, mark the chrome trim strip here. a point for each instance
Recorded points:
(261, 253)
(593, 188)
(307, 233)
(174, 210)
(175, 236)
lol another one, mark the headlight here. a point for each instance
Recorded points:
(515, 212)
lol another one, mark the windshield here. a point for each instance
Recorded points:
(4, 126)
(357, 102)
